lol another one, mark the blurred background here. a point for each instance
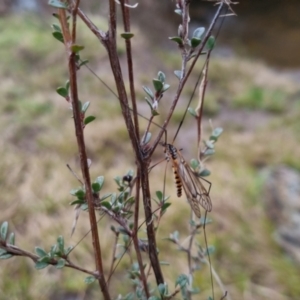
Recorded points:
(253, 94)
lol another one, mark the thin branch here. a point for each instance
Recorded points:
(113, 258)
(74, 20)
(184, 80)
(16, 251)
(199, 109)
(126, 21)
(101, 35)
(82, 151)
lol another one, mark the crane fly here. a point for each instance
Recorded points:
(185, 177)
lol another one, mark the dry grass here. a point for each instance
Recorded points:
(37, 140)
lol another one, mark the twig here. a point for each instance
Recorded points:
(16, 251)
(199, 109)
(82, 150)
(113, 258)
(184, 80)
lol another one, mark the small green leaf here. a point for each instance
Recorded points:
(204, 173)
(165, 87)
(74, 191)
(178, 74)
(76, 48)
(56, 27)
(6, 256)
(161, 76)
(216, 133)
(175, 236)
(158, 85)
(149, 92)
(147, 139)
(100, 181)
(209, 144)
(198, 32)
(209, 152)
(58, 35)
(194, 163)
(195, 42)
(89, 279)
(85, 106)
(41, 265)
(58, 4)
(52, 251)
(165, 206)
(192, 111)
(106, 204)
(176, 39)
(60, 263)
(80, 194)
(62, 91)
(77, 201)
(163, 289)
(127, 35)
(40, 252)
(154, 112)
(67, 85)
(210, 43)
(96, 187)
(4, 230)
(210, 250)
(130, 200)
(84, 206)
(118, 180)
(159, 195)
(89, 119)
(182, 280)
(149, 103)
(61, 243)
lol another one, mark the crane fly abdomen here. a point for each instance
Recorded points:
(173, 153)
(177, 182)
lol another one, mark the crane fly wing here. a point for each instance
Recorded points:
(189, 187)
(193, 187)
(204, 198)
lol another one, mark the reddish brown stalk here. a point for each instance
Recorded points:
(82, 151)
(126, 21)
